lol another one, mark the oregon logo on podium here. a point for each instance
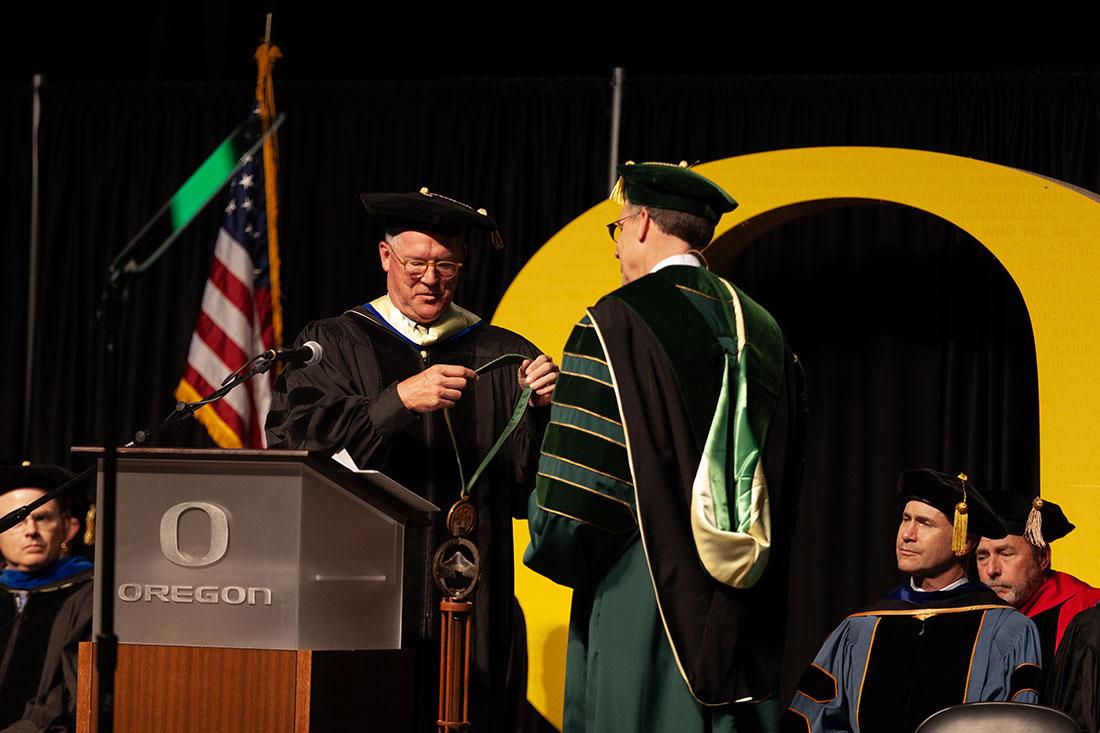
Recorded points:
(219, 534)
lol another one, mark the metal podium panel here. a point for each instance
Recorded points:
(252, 554)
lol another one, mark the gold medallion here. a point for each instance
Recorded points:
(462, 518)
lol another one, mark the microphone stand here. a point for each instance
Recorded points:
(259, 365)
(110, 315)
(183, 410)
(17, 515)
(159, 234)
(106, 640)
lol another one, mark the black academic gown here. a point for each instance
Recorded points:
(25, 640)
(1073, 684)
(349, 400)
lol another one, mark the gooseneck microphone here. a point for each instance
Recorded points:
(306, 354)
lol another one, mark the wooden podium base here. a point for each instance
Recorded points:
(206, 689)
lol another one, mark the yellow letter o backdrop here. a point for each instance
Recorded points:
(1046, 234)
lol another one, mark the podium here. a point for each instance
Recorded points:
(256, 590)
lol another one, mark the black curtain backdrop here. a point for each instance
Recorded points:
(917, 347)
(918, 352)
(15, 187)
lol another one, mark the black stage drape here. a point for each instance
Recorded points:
(916, 345)
(918, 352)
(15, 188)
(112, 154)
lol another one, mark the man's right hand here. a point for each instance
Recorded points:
(435, 388)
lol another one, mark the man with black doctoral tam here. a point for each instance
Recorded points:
(45, 603)
(936, 640)
(397, 389)
(1018, 569)
(669, 480)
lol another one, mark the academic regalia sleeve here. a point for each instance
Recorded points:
(581, 513)
(336, 403)
(526, 440)
(821, 702)
(1073, 685)
(1015, 659)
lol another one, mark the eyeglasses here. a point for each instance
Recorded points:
(615, 228)
(416, 268)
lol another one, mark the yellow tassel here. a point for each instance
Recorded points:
(958, 534)
(89, 526)
(617, 194)
(1033, 529)
(960, 525)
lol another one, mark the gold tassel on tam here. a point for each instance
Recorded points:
(89, 526)
(1033, 529)
(617, 192)
(959, 529)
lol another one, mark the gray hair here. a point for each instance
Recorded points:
(450, 241)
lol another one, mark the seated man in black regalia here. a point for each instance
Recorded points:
(45, 602)
(396, 388)
(1018, 569)
(936, 640)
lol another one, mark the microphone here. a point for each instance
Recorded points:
(306, 354)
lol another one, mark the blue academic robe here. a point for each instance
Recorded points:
(911, 654)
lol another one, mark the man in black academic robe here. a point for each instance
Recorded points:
(396, 385)
(1018, 569)
(45, 603)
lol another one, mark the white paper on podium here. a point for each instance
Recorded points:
(387, 484)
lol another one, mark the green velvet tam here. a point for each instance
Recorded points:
(675, 187)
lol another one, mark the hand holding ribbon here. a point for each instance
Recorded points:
(541, 375)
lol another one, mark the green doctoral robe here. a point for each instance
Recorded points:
(665, 498)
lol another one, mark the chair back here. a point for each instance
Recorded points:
(998, 717)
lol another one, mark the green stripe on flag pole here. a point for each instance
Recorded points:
(200, 188)
(204, 183)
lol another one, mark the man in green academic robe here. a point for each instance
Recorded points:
(668, 480)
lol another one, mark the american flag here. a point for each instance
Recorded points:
(240, 315)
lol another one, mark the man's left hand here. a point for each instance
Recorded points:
(542, 376)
